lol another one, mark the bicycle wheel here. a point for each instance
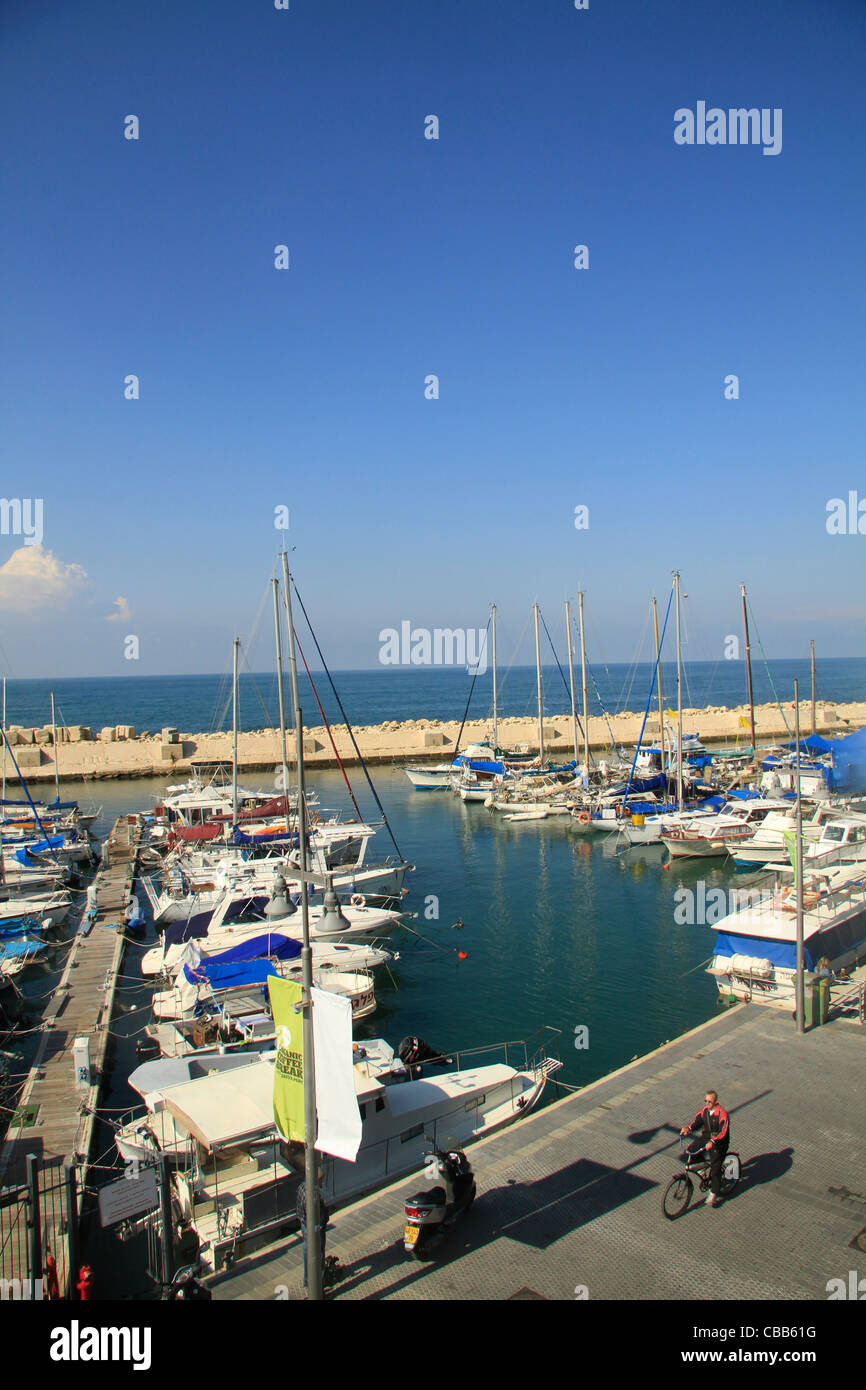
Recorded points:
(730, 1178)
(678, 1194)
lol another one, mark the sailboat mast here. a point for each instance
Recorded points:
(495, 704)
(54, 750)
(235, 646)
(4, 752)
(679, 699)
(571, 678)
(659, 680)
(583, 675)
(311, 1175)
(814, 725)
(749, 670)
(279, 641)
(538, 679)
(798, 870)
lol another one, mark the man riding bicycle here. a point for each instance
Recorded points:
(714, 1126)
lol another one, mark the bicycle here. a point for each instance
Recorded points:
(678, 1193)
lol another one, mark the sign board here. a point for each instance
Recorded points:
(127, 1198)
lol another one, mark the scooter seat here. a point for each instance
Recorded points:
(434, 1197)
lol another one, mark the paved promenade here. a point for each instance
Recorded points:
(570, 1198)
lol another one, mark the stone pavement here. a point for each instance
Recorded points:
(569, 1199)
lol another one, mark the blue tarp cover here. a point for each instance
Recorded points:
(782, 953)
(257, 948)
(230, 976)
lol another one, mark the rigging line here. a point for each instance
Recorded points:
(330, 735)
(252, 675)
(469, 701)
(349, 728)
(562, 673)
(767, 665)
(520, 640)
(648, 703)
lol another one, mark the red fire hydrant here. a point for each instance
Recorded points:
(51, 1271)
(85, 1283)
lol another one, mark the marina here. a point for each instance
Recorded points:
(432, 677)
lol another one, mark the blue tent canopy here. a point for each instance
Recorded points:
(813, 744)
(849, 763)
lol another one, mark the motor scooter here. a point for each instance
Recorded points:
(430, 1214)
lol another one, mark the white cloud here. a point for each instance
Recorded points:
(123, 611)
(34, 577)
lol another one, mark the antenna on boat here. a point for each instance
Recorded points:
(798, 869)
(679, 698)
(279, 641)
(749, 670)
(235, 646)
(311, 1176)
(495, 701)
(540, 700)
(571, 678)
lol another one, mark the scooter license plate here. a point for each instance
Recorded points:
(411, 1234)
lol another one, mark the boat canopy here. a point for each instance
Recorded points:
(268, 944)
(225, 1108)
(229, 974)
(782, 953)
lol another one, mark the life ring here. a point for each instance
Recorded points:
(584, 818)
(358, 900)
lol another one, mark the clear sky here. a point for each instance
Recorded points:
(558, 387)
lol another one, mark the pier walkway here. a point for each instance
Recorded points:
(569, 1199)
(56, 1118)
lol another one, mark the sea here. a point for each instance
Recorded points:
(517, 933)
(203, 703)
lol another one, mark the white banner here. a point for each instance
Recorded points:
(339, 1119)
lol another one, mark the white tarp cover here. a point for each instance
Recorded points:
(339, 1119)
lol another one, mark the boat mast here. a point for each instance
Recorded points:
(583, 672)
(495, 705)
(749, 670)
(235, 646)
(798, 871)
(540, 702)
(279, 641)
(659, 680)
(814, 726)
(53, 748)
(4, 753)
(311, 1175)
(571, 679)
(679, 699)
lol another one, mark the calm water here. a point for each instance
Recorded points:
(559, 931)
(199, 704)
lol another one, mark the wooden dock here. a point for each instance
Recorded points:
(57, 1116)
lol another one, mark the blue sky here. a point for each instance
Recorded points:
(558, 387)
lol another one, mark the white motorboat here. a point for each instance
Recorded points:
(755, 946)
(710, 836)
(238, 1188)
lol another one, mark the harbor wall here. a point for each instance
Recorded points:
(121, 751)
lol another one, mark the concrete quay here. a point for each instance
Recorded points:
(121, 751)
(570, 1199)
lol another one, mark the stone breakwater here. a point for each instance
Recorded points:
(121, 751)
